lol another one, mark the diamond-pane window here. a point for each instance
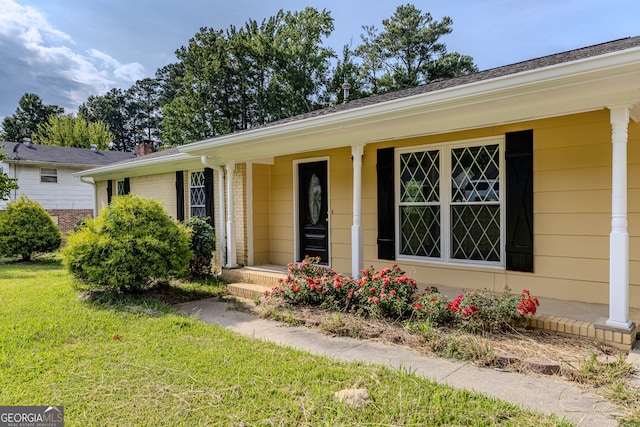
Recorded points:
(420, 231)
(120, 188)
(475, 203)
(197, 196)
(419, 203)
(420, 177)
(460, 220)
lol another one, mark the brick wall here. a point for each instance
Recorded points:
(66, 219)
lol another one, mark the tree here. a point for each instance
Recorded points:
(26, 228)
(110, 108)
(410, 51)
(372, 60)
(30, 113)
(6, 184)
(302, 61)
(244, 77)
(69, 131)
(348, 71)
(143, 110)
(169, 79)
(132, 244)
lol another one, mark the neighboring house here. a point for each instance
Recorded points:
(45, 174)
(523, 176)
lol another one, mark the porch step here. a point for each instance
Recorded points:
(251, 282)
(250, 291)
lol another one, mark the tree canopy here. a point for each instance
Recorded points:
(239, 78)
(408, 51)
(69, 131)
(30, 113)
(245, 77)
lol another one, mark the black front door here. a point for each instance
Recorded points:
(313, 211)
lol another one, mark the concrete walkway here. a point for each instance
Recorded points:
(543, 394)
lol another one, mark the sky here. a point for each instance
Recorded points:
(68, 50)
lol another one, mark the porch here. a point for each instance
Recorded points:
(564, 317)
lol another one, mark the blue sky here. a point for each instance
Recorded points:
(67, 50)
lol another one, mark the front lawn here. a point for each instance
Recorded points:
(142, 364)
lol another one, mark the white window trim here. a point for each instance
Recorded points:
(49, 175)
(445, 202)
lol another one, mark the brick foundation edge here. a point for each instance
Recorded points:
(66, 219)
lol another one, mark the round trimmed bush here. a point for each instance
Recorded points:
(26, 228)
(132, 244)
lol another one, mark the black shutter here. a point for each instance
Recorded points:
(208, 195)
(386, 205)
(109, 191)
(180, 195)
(127, 186)
(519, 201)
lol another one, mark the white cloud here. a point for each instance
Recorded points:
(47, 54)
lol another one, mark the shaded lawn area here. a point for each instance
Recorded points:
(118, 365)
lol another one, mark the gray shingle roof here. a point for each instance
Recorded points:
(62, 155)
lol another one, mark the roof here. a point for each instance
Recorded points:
(581, 80)
(68, 156)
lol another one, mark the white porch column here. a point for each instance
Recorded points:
(619, 237)
(231, 225)
(357, 240)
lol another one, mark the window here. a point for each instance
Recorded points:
(449, 202)
(197, 198)
(48, 175)
(120, 188)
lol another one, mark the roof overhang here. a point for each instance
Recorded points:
(584, 85)
(36, 163)
(589, 84)
(142, 167)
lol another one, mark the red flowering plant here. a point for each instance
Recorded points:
(481, 311)
(431, 305)
(528, 304)
(386, 293)
(307, 283)
(391, 294)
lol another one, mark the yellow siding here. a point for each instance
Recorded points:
(572, 211)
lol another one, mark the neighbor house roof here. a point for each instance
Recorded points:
(586, 79)
(67, 156)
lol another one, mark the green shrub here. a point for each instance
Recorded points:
(130, 245)
(26, 228)
(203, 243)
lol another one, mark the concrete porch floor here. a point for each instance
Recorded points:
(567, 317)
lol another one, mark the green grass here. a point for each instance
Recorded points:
(170, 370)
